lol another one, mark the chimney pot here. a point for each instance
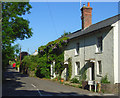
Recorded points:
(86, 16)
(88, 4)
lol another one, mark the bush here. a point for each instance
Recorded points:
(18, 64)
(105, 79)
(74, 80)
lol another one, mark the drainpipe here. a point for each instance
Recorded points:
(20, 60)
(84, 50)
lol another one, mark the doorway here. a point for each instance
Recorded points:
(92, 71)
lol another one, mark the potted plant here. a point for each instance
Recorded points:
(62, 80)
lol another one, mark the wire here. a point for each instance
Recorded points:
(51, 16)
(80, 4)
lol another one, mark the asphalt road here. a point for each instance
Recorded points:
(17, 84)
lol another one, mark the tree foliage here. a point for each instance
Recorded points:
(14, 26)
(9, 53)
(53, 51)
(30, 62)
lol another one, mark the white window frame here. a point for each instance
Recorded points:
(98, 49)
(98, 68)
(77, 48)
(76, 68)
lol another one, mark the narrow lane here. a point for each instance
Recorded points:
(17, 84)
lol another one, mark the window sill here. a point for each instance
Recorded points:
(98, 52)
(77, 55)
(99, 75)
(77, 75)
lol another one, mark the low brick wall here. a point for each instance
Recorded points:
(110, 88)
(71, 84)
(119, 89)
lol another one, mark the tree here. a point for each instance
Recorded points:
(14, 26)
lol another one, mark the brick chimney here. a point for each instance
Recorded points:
(86, 16)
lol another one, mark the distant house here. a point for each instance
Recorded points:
(35, 53)
(94, 48)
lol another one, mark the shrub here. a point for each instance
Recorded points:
(17, 64)
(105, 79)
(74, 80)
(58, 77)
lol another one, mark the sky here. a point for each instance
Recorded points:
(49, 20)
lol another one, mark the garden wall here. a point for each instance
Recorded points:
(110, 88)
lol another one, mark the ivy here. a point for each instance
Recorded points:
(83, 75)
(53, 46)
(69, 68)
(54, 50)
(59, 66)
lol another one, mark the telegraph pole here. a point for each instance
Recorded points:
(20, 58)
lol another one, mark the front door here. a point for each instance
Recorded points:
(93, 72)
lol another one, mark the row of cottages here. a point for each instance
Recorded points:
(94, 48)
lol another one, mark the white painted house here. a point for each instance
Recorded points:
(35, 53)
(94, 48)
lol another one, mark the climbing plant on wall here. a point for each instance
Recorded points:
(69, 68)
(54, 50)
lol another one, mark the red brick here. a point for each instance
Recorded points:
(86, 16)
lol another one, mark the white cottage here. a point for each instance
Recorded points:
(35, 53)
(94, 48)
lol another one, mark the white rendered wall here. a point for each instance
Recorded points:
(87, 51)
(115, 30)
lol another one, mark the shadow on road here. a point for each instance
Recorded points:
(12, 82)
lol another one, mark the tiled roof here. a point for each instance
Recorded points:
(94, 27)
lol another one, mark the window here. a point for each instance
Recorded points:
(77, 68)
(99, 44)
(99, 68)
(77, 49)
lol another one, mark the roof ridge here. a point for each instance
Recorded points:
(104, 20)
(96, 26)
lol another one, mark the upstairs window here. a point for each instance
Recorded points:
(77, 68)
(99, 68)
(99, 44)
(77, 49)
